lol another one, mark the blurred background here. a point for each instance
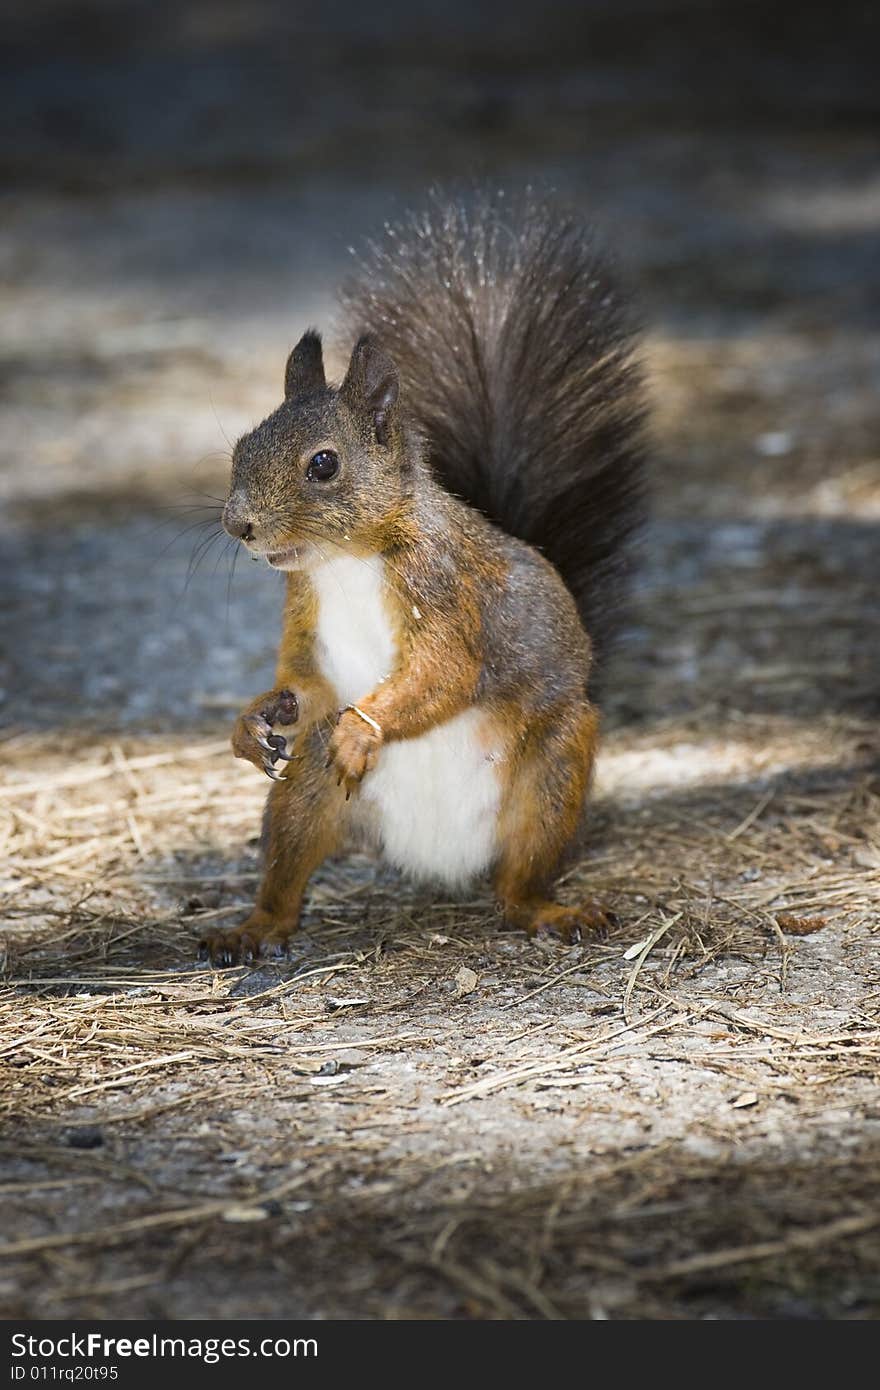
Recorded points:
(181, 186)
(183, 181)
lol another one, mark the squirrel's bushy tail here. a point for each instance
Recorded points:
(515, 358)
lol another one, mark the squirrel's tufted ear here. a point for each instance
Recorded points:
(372, 385)
(305, 367)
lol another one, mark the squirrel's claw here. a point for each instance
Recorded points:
(353, 750)
(278, 744)
(218, 952)
(245, 945)
(253, 738)
(225, 948)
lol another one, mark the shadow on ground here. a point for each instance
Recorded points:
(420, 1115)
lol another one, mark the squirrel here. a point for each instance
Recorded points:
(454, 520)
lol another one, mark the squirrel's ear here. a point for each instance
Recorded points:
(305, 367)
(372, 385)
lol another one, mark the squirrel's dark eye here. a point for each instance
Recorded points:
(322, 466)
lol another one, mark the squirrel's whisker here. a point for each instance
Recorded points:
(178, 535)
(236, 548)
(200, 550)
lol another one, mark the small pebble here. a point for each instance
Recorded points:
(199, 901)
(774, 443)
(85, 1137)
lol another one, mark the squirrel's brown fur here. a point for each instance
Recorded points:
(485, 441)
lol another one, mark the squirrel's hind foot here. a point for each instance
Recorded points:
(570, 924)
(260, 935)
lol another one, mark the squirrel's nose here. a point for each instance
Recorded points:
(236, 521)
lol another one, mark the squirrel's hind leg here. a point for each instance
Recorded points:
(305, 820)
(540, 815)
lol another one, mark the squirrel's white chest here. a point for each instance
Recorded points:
(431, 804)
(354, 643)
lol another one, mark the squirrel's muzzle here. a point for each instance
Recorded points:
(237, 520)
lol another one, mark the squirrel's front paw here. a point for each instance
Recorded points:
(252, 737)
(354, 749)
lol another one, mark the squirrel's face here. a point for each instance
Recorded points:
(327, 470)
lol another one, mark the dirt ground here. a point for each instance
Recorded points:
(419, 1114)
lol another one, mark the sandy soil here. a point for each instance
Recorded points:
(420, 1115)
